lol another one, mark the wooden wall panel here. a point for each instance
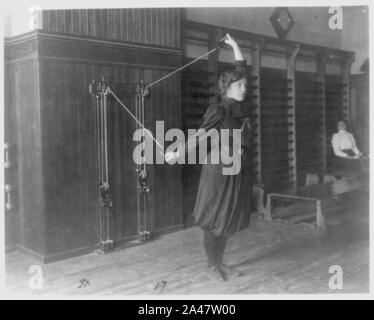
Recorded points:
(11, 173)
(151, 26)
(68, 157)
(29, 151)
(69, 103)
(56, 142)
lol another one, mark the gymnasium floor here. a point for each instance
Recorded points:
(275, 258)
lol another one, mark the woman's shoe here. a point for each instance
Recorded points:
(230, 271)
(215, 274)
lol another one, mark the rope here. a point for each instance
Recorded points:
(137, 121)
(181, 68)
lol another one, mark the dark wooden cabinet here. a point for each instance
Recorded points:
(50, 122)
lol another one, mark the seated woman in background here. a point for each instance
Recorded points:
(347, 156)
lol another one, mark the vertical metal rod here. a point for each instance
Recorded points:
(102, 155)
(99, 154)
(97, 111)
(96, 103)
(145, 219)
(100, 90)
(105, 140)
(101, 136)
(138, 167)
(106, 174)
(143, 130)
(97, 137)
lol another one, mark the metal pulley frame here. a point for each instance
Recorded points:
(100, 91)
(141, 169)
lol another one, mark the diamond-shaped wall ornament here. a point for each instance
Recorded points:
(282, 21)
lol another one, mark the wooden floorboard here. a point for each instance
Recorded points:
(274, 257)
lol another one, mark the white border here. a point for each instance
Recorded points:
(69, 4)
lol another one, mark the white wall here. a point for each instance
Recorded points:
(355, 35)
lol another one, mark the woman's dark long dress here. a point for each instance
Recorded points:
(223, 203)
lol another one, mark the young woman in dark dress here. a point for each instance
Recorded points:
(223, 204)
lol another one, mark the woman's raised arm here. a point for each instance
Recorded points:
(238, 55)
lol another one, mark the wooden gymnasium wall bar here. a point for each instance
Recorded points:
(282, 101)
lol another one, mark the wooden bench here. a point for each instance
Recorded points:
(318, 196)
(331, 174)
(314, 177)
